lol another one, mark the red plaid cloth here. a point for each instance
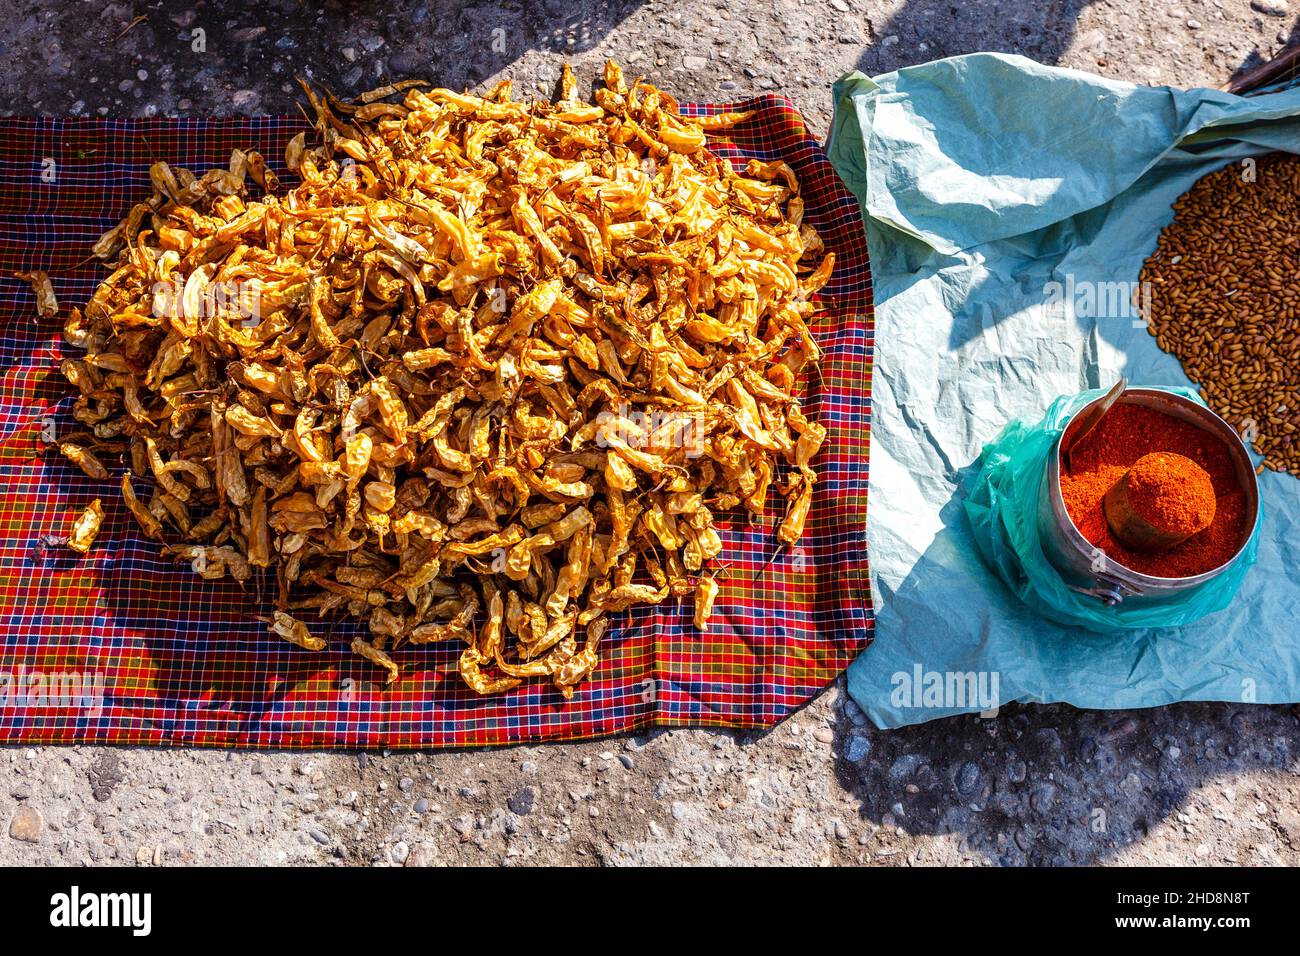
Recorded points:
(124, 647)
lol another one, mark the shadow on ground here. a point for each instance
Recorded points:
(1257, 59)
(1052, 785)
(239, 56)
(932, 29)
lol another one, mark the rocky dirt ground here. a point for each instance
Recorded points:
(1187, 784)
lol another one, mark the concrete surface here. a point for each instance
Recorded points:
(1185, 784)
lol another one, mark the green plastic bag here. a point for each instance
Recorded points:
(1002, 505)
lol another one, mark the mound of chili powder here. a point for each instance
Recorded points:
(1125, 434)
(1172, 492)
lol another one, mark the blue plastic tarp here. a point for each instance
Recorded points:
(1009, 207)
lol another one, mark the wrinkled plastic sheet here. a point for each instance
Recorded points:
(985, 180)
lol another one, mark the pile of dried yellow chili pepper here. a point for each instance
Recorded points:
(485, 375)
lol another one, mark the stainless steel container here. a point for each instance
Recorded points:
(1087, 570)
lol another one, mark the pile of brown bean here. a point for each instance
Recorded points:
(1224, 288)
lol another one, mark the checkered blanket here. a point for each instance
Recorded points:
(122, 646)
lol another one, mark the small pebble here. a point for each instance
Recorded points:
(968, 778)
(27, 824)
(521, 801)
(904, 766)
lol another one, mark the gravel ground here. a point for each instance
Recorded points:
(1186, 784)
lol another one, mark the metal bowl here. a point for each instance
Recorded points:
(1083, 566)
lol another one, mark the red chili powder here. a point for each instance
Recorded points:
(1125, 434)
(1172, 493)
